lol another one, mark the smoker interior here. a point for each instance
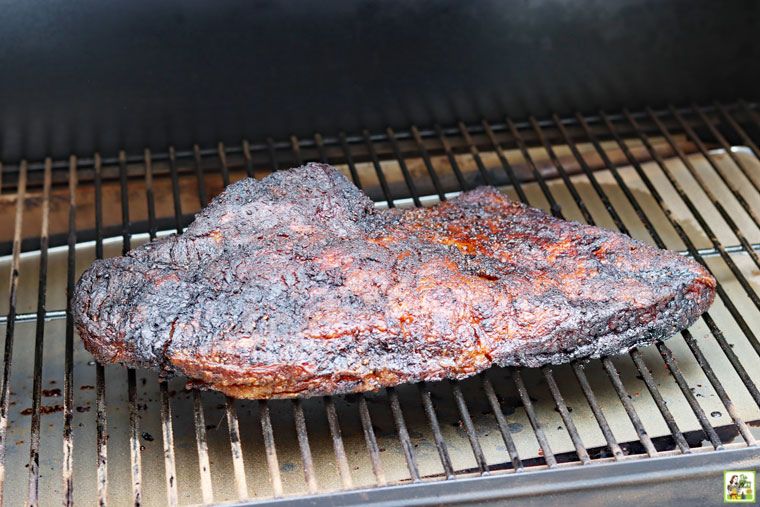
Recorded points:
(686, 179)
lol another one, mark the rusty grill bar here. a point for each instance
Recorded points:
(673, 153)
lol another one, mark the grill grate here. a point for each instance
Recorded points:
(683, 179)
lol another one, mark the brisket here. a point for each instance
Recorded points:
(295, 285)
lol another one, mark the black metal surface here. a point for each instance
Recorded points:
(684, 480)
(88, 76)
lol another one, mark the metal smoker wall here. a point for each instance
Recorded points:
(90, 76)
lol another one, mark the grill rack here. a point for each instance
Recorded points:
(692, 123)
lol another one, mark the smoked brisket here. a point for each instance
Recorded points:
(295, 285)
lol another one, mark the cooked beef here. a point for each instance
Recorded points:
(296, 285)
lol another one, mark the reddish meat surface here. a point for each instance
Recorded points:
(296, 286)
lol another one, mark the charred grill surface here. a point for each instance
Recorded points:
(296, 286)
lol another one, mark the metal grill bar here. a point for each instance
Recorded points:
(379, 170)
(135, 453)
(534, 421)
(134, 416)
(450, 155)
(271, 452)
(562, 171)
(100, 382)
(428, 164)
(469, 428)
(504, 162)
(340, 452)
(303, 443)
(295, 147)
(68, 379)
(509, 442)
(39, 343)
(629, 408)
(474, 152)
(207, 490)
(554, 207)
(204, 463)
(222, 154)
(371, 440)
(10, 327)
(349, 159)
(248, 159)
(649, 381)
(670, 361)
(237, 450)
(440, 443)
(167, 435)
(601, 420)
(202, 196)
(580, 449)
(167, 432)
(403, 434)
(404, 169)
(151, 201)
(719, 389)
